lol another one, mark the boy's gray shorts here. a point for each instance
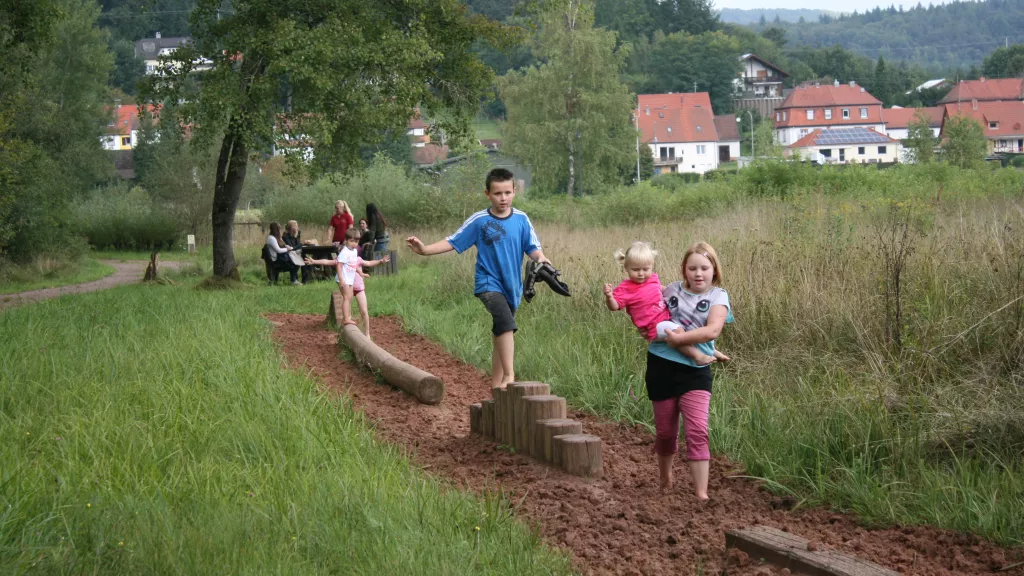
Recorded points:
(501, 312)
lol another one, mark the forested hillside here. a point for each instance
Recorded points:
(958, 34)
(765, 16)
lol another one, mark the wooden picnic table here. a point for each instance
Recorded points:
(325, 252)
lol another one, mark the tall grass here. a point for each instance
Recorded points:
(816, 399)
(152, 430)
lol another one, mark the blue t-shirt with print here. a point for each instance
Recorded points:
(690, 311)
(500, 246)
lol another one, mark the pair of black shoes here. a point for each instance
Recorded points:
(546, 273)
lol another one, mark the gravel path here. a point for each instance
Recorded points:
(125, 272)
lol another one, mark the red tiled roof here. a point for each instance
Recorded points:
(828, 95)
(899, 118)
(765, 62)
(126, 118)
(416, 121)
(429, 154)
(727, 128)
(811, 139)
(685, 117)
(985, 89)
(1008, 116)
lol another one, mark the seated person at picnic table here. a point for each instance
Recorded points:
(366, 240)
(293, 239)
(278, 252)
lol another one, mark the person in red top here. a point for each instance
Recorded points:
(341, 221)
(641, 296)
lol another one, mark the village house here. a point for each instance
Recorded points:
(985, 90)
(122, 131)
(897, 124)
(759, 78)
(1002, 123)
(150, 50)
(728, 137)
(424, 152)
(817, 107)
(680, 131)
(845, 145)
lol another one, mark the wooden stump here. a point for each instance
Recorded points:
(578, 454)
(475, 411)
(487, 419)
(520, 427)
(537, 408)
(422, 385)
(334, 313)
(501, 398)
(545, 430)
(151, 269)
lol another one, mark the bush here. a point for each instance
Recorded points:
(125, 217)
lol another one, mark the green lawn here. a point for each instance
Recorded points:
(151, 429)
(32, 278)
(485, 128)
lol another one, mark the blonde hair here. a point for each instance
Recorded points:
(288, 225)
(344, 207)
(638, 253)
(707, 251)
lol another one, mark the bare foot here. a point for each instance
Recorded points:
(704, 359)
(666, 483)
(721, 357)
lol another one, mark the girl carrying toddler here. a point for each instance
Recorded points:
(641, 296)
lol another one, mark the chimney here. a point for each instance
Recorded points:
(852, 83)
(835, 83)
(157, 35)
(862, 89)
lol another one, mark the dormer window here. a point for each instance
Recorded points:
(699, 129)
(647, 110)
(993, 125)
(661, 114)
(669, 129)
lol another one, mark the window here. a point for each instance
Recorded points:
(842, 154)
(803, 132)
(846, 113)
(882, 149)
(777, 116)
(126, 140)
(827, 152)
(810, 114)
(863, 112)
(661, 114)
(860, 150)
(668, 152)
(702, 149)
(668, 129)
(828, 113)
(783, 115)
(993, 125)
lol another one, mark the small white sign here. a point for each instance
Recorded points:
(191, 243)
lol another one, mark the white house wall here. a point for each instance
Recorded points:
(687, 157)
(792, 134)
(871, 155)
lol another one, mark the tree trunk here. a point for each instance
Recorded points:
(231, 166)
(572, 167)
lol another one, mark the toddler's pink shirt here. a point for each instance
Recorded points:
(643, 303)
(357, 284)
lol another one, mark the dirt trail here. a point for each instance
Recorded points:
(620, 524)
(125, 272)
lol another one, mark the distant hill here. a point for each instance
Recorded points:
(954, 35)
(753, 16)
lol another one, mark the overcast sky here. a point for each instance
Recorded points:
(844, 6)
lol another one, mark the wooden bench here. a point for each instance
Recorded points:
(388, 268)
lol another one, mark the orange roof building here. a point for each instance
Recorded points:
(122, 132)
(845, 145)
(680, 130)
(821, 106)
(1002, 123)
(985, 90)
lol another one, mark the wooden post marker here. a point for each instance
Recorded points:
(520, 427)
(537, 408)
(487, 419)
(475, 412)
(334, 313)
(545, 430)
(578, 454)
(500, 399)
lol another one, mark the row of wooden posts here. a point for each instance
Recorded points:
(527, 417)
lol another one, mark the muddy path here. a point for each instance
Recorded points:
(125, 272)
(620, 524)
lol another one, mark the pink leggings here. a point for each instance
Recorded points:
(694, 408)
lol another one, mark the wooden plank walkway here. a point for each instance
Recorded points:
(790, 551)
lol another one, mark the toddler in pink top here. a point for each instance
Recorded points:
(641, 296)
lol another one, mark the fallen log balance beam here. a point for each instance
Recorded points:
(798, 554)
(532, 421)
(419, 384)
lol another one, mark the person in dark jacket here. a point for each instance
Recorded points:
(378, 228)
(293, 239)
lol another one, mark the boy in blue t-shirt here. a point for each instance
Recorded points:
(501, 235)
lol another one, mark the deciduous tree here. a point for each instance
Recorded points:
(331, 74)
(572, 109)
(919, 145)
(965, 144)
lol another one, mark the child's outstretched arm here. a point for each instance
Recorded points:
(439, 247)
(609, 299)
(309, 262)
(372, 263)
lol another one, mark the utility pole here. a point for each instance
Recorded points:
(695, 87)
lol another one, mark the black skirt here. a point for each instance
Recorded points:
(667, 379)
